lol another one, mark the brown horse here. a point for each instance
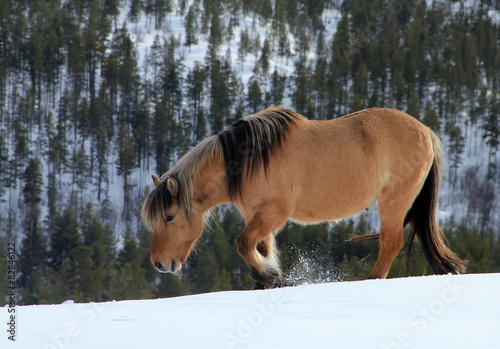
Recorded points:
(276, 165)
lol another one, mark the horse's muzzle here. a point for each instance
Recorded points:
(165, 269)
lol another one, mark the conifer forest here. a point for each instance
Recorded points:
(97, 95)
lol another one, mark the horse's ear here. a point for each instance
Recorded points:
(172, 186)
(156, 181)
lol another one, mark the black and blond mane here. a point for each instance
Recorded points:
(244, 147)
(249, 143)
(177, 184)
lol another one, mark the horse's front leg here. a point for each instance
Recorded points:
(256, 245)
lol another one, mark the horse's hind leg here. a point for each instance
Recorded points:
(391, 241)
(393, 206)
(256, 245)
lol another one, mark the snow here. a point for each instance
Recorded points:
(451, 311)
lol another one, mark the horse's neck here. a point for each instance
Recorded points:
(210, 188)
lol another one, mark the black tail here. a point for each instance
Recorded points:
(422, 219)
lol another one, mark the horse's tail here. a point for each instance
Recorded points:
(422, 219)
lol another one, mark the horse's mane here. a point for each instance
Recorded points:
(244, 147)
(248, 144)
(177, 183)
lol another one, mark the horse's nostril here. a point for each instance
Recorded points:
(158, 265)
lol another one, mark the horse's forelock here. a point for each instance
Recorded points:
(155, 205)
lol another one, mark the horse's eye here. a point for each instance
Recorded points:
(169, 219)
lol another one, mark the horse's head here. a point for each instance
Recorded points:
(175, 231)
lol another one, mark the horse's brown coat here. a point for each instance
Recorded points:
(287, 167)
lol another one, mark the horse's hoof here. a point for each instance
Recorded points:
(277, 284)
(259, 286)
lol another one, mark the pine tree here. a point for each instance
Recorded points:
(135, 10)
(97, 236)
(244, 47)
(64, 239)
(191, 26)
(379, 73)
(431, 118)
(153, 69)
(215, 35)
(80, 170)
(102, 132)
(456, 149)
(208, 273)
(32, 261)
(491, 127)
(276, 90)
(319, 82)
(264, 57)
(141, 129)
(491, 134)
(340, 66)
(125, 163)
(5, 164)
(254, 96)
(223, 89)
(129, 281)
(195, 95)
(360, 83)
(279, 30)
(172, 286)
(163, 151)
(94, 34)
(33, 186)
(413, 102)
(171, 77)
(79, 275)
(33, 247)
(301, 78)
(21, 143)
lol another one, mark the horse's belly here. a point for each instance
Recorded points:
(328, 211)
(331, 201)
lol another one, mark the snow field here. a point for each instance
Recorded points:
(421, 312)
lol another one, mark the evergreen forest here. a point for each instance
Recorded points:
(97, 95)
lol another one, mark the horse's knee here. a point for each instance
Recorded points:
(242, 245)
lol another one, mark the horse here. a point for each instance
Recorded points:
(276, 166)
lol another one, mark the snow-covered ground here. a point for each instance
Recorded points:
(421, 312)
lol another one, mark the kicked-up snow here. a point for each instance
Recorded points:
(451, 311)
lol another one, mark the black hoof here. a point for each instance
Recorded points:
(271, 279)
(277, 283)
(259, 286)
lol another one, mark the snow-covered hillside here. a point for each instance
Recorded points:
(456, 201)
(422, 312)
(455, 198)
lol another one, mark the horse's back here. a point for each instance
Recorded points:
(349, 161)
(373, 136)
